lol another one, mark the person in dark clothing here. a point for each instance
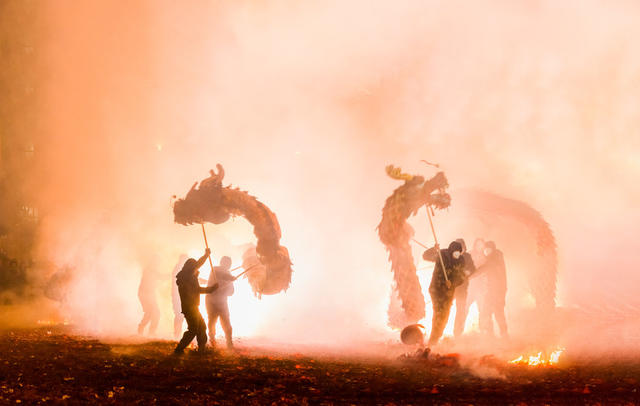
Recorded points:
(493, 302)
(190, 291)
(461, 293)
(441, 289)
(217, 306)
(178, 317)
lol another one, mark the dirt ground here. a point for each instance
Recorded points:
(51, 365)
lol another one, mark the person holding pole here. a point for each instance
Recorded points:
(190, 290)
(178, 317)
(448, 274)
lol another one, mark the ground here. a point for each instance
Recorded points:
(51, 365)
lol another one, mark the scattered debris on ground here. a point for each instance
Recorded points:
(51, 365)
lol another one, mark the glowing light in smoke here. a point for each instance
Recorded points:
(473, 318)
(245, 309)
(538, 359)
(64, 322)
(349, 119)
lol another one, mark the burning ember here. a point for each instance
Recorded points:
(538, 359)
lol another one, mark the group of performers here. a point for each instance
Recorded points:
(186, 293)
(453, 270)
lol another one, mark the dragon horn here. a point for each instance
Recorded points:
(396, 173)
(220, 172)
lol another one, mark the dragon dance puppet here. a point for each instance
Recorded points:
(407, 304)
(211, 202)
(395, 233)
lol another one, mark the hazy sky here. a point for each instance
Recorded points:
(304, 104)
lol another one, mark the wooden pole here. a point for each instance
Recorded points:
(433, 230)
(206, 244)
(419, 243)
(240, 274)
(247, 270)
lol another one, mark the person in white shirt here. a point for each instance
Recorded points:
(216, 302)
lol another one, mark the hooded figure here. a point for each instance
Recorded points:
(442, 290)
(190, 290)
(178, 317)
(493, 302)
(462, 307)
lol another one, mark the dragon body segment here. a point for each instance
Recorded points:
(490, 206)
(211, 202)
(395, 233)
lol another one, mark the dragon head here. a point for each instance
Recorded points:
(200, 205)
(434, 191)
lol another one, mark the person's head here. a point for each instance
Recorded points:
(489, 247)
(189, 265)
(455, 249)
(478, 244)
(225, 262)
(464, 246)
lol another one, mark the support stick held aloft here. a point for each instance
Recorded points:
(206, 244)
(246, 270)
(433, 230)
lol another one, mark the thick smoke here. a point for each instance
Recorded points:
(304, 104)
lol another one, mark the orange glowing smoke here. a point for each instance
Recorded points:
(540, 106)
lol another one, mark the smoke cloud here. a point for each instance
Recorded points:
(304, 104)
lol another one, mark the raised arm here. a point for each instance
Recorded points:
(203, 258)
(208, 289)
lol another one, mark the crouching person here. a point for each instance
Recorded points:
(442, 288)
(190, 290)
